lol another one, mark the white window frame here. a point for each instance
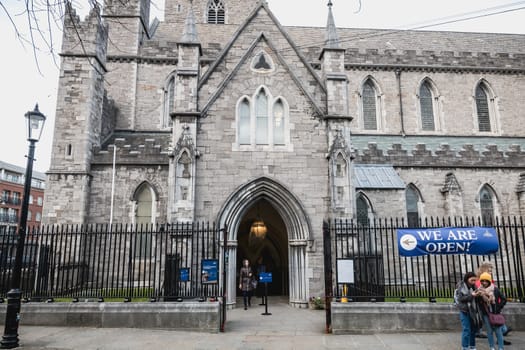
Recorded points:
(270, 144)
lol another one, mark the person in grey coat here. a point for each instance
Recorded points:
(469, 314)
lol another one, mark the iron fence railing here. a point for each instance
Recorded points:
(162, 262)
(380, 273)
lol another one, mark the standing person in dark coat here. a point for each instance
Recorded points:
(245, 283)
(465, 299)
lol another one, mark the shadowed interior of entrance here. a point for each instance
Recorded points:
(273, 248)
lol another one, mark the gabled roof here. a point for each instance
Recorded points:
(262, 36)
(245, 58)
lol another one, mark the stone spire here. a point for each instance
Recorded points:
(332, 40)
(189, 34)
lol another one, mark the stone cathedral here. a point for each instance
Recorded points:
(221, 114)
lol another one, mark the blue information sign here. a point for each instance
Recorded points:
(447, 240)
(184, 274)
(210, 269)
(265, 277)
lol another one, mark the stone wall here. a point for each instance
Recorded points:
(454, 108)
(235, 10)
(185, 316)
(366, 318)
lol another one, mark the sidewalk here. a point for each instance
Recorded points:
(286, 328)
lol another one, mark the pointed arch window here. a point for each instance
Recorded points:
(412, 205)
(483, 107)
(486, 201)
(244, 122)
(216, 12)
(169, 100)
(362, 210)
(369, 103)
(144, 199)
(278, 123)
(426, 102)
(261, 118)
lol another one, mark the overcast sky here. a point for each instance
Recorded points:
(21, 84)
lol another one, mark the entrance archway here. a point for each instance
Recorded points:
(235, 215)
(270, 251)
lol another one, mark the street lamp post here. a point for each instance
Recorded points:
(35, 124)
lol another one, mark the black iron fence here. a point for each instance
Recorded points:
(380, 273)
(124, 262)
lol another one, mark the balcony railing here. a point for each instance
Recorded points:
(8, 218)
(10, 200)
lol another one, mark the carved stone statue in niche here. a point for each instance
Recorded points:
(185, 161)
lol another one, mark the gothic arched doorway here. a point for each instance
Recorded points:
(287, 243)
(270, 251)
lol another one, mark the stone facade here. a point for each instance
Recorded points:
(218, 120)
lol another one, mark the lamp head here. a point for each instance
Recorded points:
(35, 124)
(258, 229)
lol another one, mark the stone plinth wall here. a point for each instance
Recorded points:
(362, 318)
(190, 316)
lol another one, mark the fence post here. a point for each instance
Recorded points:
(328, 291)
(224, 247)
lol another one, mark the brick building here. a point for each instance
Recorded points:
(220, 113)
(12, 180)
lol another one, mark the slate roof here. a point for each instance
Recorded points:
(377, 177)
(372, 46)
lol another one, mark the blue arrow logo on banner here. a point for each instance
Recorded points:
(447, 240)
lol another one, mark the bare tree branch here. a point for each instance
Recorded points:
(359, 8)
(11, 20)
(39, 22)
